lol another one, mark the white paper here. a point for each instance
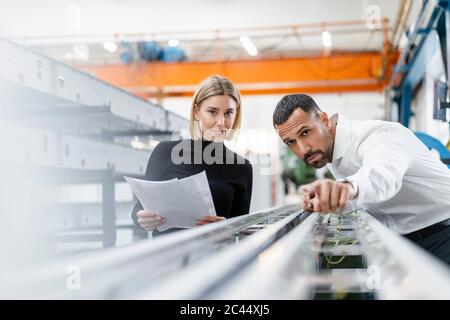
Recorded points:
(180, 201)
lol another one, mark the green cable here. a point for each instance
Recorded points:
(342, 241)
(337, 241)
(334, 262)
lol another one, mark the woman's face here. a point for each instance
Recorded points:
(216, 116)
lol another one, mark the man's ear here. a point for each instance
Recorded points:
(325, 119)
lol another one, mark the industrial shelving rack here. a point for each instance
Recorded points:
(65, 126)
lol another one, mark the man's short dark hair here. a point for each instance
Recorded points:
(290, 103)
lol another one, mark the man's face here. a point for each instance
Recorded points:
(308, 136)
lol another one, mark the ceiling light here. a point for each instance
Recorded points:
(249, 46)
(110, 46)
(81, 51)
(173, 43)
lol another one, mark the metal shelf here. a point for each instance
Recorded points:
(51, 149)
(65, 118)
(44, 93)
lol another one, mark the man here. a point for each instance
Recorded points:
(378, 165)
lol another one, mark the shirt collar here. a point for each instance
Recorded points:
(342, 137)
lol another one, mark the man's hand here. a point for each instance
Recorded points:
(326, 195)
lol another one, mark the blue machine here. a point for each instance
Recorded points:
(433, 143)
(126, 52)
(126, 57)
(420, 48)
(149, 50)
(173, 54)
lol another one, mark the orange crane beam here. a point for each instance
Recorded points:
(340, 72)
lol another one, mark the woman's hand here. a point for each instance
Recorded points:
(209, 219)
(150, 220)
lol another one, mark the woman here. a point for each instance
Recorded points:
(215, 116)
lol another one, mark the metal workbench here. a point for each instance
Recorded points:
(278, 253)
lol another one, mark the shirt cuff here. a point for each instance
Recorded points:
(355, 187)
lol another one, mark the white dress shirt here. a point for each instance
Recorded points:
(400, 182)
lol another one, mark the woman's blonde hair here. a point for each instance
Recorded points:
(214, 86)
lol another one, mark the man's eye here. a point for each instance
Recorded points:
(305, 132)
(289, 142)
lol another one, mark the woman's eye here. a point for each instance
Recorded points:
(212, 111)
(229, 113)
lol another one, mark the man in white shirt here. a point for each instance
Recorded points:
(378, 165)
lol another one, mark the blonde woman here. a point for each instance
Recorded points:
(215, 116)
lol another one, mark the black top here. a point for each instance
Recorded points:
(229, 175)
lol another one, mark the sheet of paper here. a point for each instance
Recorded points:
(180, 201)
(200, 181)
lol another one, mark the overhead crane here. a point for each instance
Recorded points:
(319, 71)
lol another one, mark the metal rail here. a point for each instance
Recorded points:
(278, 253)
(105, 273)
